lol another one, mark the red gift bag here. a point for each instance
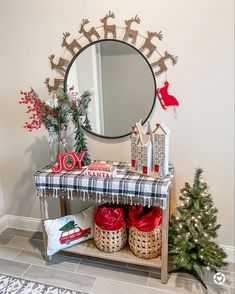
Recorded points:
(110, 228)
(144, 219)
(109, 217)
(145, 231)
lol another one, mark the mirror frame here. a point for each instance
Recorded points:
(151, 70)
(60, 65)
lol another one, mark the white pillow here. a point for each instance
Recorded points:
(69, 230)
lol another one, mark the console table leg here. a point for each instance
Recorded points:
(63, 208)
(165, 232)
(44, 216)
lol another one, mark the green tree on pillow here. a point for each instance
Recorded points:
(70, 225)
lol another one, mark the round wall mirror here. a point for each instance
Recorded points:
(122, 84)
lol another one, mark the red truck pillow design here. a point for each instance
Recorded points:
(68, 236)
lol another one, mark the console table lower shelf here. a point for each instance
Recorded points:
(125, 255)
(125, 188)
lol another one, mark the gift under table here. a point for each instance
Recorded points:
(126, 188)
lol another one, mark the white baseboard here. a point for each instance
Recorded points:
(34, 224)
(230, 250)
(20, 222)
(3, 223)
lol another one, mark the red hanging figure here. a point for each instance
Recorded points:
(166, 99)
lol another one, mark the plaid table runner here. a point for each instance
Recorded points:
(126, 188)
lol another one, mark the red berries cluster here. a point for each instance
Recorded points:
(36, 109)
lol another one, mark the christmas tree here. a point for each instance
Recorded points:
(70, 225)
(80, 140)
(79, 108)
(86, 123)
(193, 230)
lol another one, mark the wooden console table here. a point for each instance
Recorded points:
(126, 188)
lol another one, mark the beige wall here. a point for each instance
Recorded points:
(2, 205)
(199, 32)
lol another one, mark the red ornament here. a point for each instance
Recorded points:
(165, 99)
(62, 165)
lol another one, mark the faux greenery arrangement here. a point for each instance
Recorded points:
(56, 113)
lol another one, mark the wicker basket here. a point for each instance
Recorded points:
(145, 244)
(110, 241)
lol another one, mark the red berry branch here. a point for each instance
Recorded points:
(54, 114)
(37, 110)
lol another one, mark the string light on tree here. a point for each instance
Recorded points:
(193, 230)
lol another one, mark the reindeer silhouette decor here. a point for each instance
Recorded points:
(161, 63)
(56, 84)
(61, 66)
(72, 46)
(130, 33)
(90, 33)
(149, 45)
(109, 28)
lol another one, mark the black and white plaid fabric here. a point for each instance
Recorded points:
(126, 187)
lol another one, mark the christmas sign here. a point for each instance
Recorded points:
(103, 174)
(101, 169)
(72, 158)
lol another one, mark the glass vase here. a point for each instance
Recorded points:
(53, 146)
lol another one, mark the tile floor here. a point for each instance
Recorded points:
(21, 256)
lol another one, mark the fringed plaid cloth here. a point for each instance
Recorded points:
(126, 188)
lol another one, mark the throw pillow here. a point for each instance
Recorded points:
(69, 230)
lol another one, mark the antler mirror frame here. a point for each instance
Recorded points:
(153, 60)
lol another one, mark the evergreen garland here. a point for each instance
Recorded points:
(192, 232)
